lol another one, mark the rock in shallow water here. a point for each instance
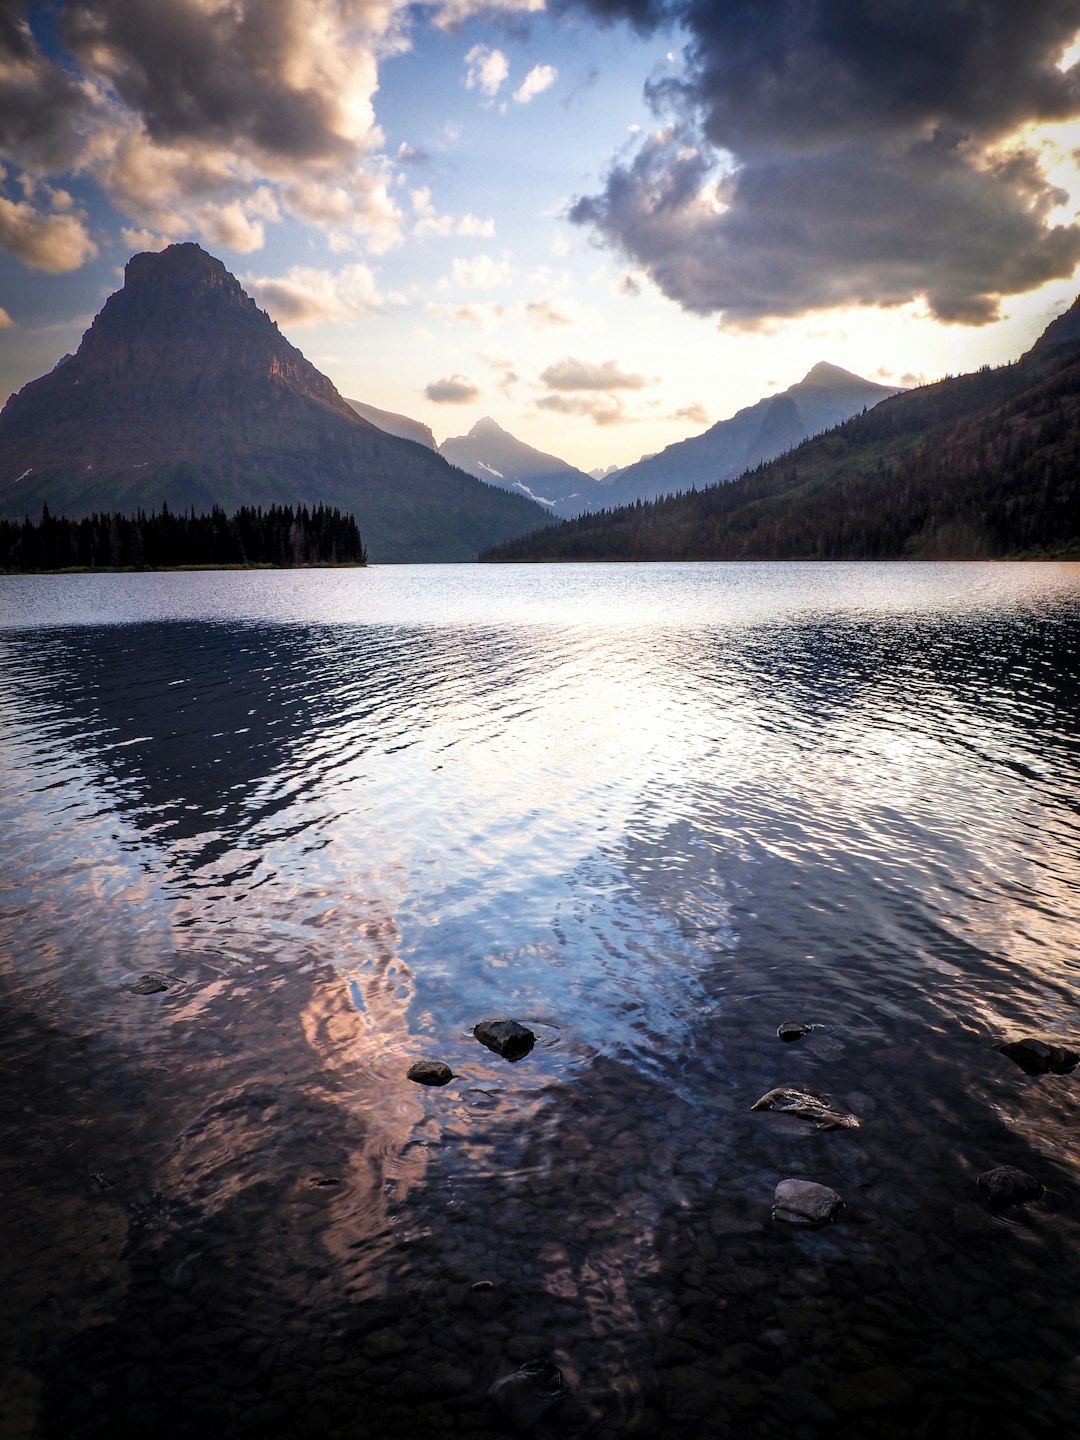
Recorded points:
(793, 1030)
(529, 1393)
(149, 984)
(806, 1107)
(1039, 1057)
(1006, 1185)
(804, 1202)
(507, 1038)
(430, 1072)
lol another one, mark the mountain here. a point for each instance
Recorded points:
(976, 466)
(824, 397)
(491, 453)
(391, 424)
(1065, 330)
(604, 472)
(183, 391)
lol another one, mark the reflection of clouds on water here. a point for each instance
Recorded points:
(343, 844)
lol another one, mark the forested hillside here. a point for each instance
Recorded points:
(981, 465)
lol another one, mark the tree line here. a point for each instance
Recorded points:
(277, 536)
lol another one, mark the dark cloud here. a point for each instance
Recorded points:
(220, 75)
(41, 105)
(828, 152)
(452, 390)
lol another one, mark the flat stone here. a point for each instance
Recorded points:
(1039, 1057)
(877, 1388)
(529, 1393)
(430, 1072)
(793, 1030)
(149, 984)
(806, 1107)
(804, 1202)
(507, 1038)
(1006, 1185)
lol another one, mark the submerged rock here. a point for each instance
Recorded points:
(806, 1107)
(529, 1393)
(507, 1038)
(430, 1072)
(1039, 1057)
(149, 984)
(804, 1202)
(1006, 1185)
(793, 1030)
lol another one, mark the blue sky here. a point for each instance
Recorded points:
(607, 224)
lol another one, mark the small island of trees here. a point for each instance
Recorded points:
(279, 536)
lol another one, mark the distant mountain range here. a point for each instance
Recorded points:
(184, 392)
(822, 399)
(491, 453)
(976, 466)
(825, 397)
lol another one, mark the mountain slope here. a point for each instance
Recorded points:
(977, 466)
(392, 424)
(825, 397)
(184, 392)
(491, 453)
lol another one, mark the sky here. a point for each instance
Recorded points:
(606, 224)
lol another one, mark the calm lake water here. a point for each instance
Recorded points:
(651, 812)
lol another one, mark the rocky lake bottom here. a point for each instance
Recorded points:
(268, 849)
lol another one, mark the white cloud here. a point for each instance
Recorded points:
(481, 273)
(539, 79)
(50, 242)
(306, 296)
(430, 222)
(486, 69)
(451, 14)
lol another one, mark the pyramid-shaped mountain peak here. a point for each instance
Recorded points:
(184, 391)
(825, 374)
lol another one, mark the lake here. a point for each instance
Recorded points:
(271, 837)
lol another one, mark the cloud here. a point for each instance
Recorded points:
(6, 321)
(430, 222)
(409, 155)
(452, 14)
(546, 314)
(45, 241)
(696, 413)
(306, 296)
(486, 70)
(488, 315)
(571, 374)
(808, 162)
(452, 390)
(481, 273)
(602, 410)
(185, 111)
(539, 79)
